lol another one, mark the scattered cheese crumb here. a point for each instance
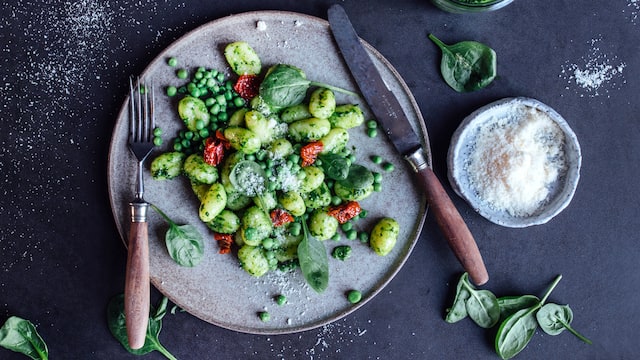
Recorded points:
(516, 159)
(261, 25)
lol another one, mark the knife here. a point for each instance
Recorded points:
(390, 115)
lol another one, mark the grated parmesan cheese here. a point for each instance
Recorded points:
(516, 159)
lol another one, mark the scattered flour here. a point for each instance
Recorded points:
(54, 57)
(517, 157)
(596, 73)
(634, 6)
(331, 341)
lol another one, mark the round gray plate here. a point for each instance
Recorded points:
(218, 290)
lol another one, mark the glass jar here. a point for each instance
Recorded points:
(468, 6)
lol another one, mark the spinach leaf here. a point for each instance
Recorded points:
(313, 259)
(554, 319)
(516, 331)
(510, 304)
(468, 65)
(480, 305)
(184, 242)
(286, 85)
(359, 177)
(20, 335)
(458, 310)
(335, 166)
(118, 327)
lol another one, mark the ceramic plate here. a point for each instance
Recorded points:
(463, 144)
(218, 290)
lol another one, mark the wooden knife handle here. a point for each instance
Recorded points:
(453, 227)
(136, 288)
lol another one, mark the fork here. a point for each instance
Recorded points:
(136, 293)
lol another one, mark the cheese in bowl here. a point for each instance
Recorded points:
(516, 161)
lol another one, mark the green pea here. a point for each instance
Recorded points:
(182, 73)
(172, 91)
(347, 226)
(388, 167)
(372, 124)
(204, 133)
(363, 214)
(238, 102)
(351, 234)
(157, 141)
(172, 62)
(377, 187)
(363, 237)
(281, 299)
(157, 131)
(177, 146)
(377, 177)
(267, 243)
(354, 296)
(372, 133)
(376, 159)
(264, 316)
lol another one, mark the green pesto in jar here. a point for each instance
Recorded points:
(467, 6)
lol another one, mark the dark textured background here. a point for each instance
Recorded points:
(64, 74)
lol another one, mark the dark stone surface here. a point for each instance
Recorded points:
(64, 75)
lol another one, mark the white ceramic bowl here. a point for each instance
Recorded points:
(463, 145)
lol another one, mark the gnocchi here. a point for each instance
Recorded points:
(167, 165)
(384, 236)
(264, 171)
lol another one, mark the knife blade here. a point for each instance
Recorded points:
(389, 113)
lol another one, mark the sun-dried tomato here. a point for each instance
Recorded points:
(224, 242)
(280, 217)
(345, 212)
(309, 153)
(247, 86)
(214, 149)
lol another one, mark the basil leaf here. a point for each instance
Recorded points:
(458, 310)
(118, 327)
(314, 261)
(468, 65)
(185, 244)
(510, 304)
(20, 335)
(515, 332)
(554, 319)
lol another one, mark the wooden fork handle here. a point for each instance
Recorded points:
(136, 290)
(454, 228)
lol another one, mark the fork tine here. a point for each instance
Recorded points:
(142, 111)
